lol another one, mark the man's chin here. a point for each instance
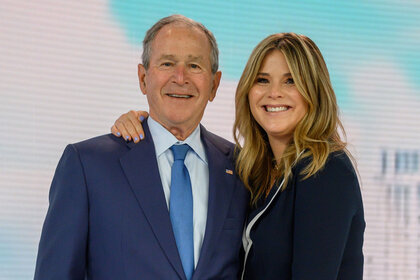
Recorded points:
(174, 121)
(181, 122)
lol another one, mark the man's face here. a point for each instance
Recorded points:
(179, 81)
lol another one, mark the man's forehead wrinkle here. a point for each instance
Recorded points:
(185, 25)
(170, 28)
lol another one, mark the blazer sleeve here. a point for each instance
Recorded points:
(62, 248)
(328, 224)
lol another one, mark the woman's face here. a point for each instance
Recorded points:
(274, 100)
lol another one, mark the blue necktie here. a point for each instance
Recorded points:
(181, 208)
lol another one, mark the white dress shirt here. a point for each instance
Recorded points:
(197, 165)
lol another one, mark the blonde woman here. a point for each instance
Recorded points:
(306, 219)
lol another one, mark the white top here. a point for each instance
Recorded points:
(197, 165)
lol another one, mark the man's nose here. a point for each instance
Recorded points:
(180, 75)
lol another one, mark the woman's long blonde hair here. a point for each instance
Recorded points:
(316, 134)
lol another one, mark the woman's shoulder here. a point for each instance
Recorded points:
(338, 162)
(337, 175)
(335, 183)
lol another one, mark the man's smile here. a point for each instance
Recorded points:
(186, 96)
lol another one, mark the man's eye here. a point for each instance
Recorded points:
(194, 66)
(166, 64)
(262, 80)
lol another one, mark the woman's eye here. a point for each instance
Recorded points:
(290, 81)
(262, 80)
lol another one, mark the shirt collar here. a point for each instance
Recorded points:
(163, 139)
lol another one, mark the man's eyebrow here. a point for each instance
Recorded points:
(173, 57)
(167, 56)
(195, 58)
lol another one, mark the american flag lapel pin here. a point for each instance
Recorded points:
(228, 171)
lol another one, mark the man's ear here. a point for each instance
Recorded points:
(216, 82)
(142, 78)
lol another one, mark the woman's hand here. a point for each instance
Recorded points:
(129, 126)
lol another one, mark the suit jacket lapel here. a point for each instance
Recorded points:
(221, 186)
(141, 169)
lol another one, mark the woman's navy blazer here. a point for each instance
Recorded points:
(311, 230)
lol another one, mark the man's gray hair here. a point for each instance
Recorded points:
(151, 34)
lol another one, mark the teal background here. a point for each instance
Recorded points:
(347, 32)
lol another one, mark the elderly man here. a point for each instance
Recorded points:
(170, 207)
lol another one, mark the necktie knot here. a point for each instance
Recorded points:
(180, 151)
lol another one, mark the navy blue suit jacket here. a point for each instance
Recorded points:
(108, 218)
(311, 230)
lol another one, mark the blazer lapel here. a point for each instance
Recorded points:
(221, 186)
(141, 169)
